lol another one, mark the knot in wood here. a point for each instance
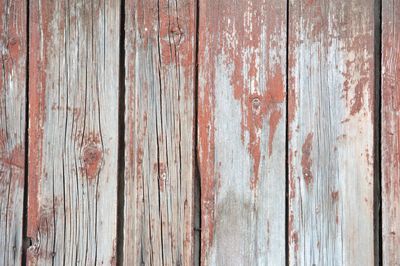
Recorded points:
(256, 103)
(12, 42)
(92, 156)
(177, 34)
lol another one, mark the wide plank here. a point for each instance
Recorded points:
(73, 131)
(390, 132)
(331, 121)
(241, 131)
(13, 44)
(159, 132)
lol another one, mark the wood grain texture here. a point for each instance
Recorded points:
(12, 127)
(390, 132)
(73, 131)
(331, 106)
(159, 135)
(241, 129)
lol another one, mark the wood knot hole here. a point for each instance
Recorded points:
(176, 34)
(256, 103)
(92, 156)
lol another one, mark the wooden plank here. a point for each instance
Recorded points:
(390, 132)
(12, 127)
(159, 135)
(331, 103)
(241, 118)
(73, 131)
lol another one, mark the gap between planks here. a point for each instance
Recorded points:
(377, 133)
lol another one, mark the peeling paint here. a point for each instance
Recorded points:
(306, 160)
(15, 158)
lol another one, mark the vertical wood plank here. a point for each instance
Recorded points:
(331, 103)
(73, 131)
(12, 127)
(159, 135)
(241, 119)
(390, 132)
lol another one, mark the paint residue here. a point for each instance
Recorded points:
(15, 158)
(306, 161)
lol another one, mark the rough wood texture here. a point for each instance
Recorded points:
(331, 103)
(159, 135)
(241, 119)
(73, 131)
(12, 127)
(390, 132)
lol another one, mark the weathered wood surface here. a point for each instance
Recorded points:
(331, 103)
(390, 132)
(159, 132)
(241, 129)
(12, 127)
(73, 131)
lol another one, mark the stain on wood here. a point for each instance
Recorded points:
(241, 129)
(159, 132)
(12, 127)
(73, 131)
(390, 132)
(331, 109)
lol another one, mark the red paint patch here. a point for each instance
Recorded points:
(273, 123)
(206, 147)
(92, 157)
(306, 161)
(39, 29)
(357, 102)
(335, 196)
(236, 38)
(256, 103)
(310, 2)
(294, 236)
(161, 171)
(292, 185)
(15, 158)
(258, 106)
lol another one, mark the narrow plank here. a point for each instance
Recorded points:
(12, 127)
(390, 132)
(73, 131)
(241, 119)
(331, 103)
(159, 135)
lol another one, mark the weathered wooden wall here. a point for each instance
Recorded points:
(274, 122)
